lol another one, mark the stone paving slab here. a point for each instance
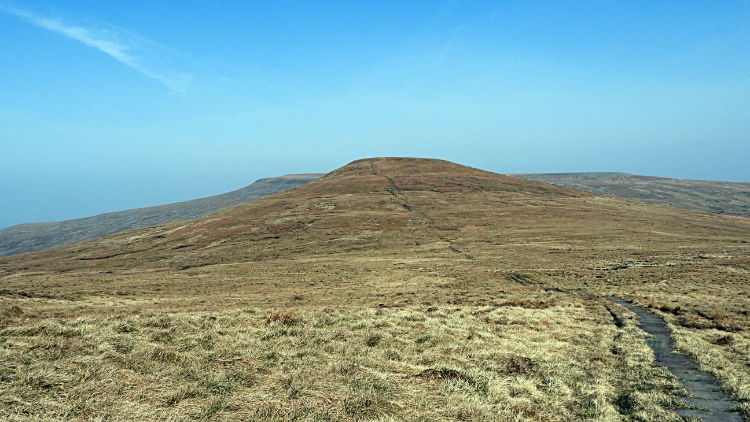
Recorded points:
(710, 404)
(707, 415)
(693, 376)
(702, 385)
(714, 405)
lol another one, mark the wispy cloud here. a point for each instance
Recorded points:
(148, 58)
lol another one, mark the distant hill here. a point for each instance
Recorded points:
(697, 195)
(397, 207)
(32, 237)
(388, 289)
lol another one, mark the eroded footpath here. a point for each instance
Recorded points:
(714, 405)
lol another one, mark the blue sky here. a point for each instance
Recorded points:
(114, 105)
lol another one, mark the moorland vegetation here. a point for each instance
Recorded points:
(390, 289)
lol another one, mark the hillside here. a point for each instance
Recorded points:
(697, 195)
(391, 205)
(31, 237)
(389, 289)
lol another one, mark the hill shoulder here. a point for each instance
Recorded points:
(30, 237)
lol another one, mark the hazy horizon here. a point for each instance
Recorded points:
(112, 106)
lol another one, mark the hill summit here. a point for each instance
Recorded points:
(401, 200)
(388, 289)
(382, 211)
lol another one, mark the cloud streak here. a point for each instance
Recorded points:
(146, 57)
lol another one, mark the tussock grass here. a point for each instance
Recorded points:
(391, 289)
(725, 355)
(494, 363)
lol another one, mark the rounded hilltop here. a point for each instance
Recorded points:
(380, 267)
(422, 174)
(390, 205)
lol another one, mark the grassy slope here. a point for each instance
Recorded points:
(32, 237)
(396, 275)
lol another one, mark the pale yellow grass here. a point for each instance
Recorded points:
(565, 362)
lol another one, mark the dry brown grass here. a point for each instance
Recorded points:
(390, 290)
(560, 363)
(286, 318)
